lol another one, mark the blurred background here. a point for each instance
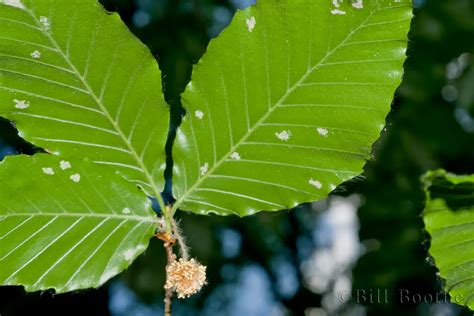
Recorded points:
(366, 239)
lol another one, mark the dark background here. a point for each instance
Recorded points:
(367, 238)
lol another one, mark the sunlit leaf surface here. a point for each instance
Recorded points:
(76, 82)
(68, 224)
(286, 103)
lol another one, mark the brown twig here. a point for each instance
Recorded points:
(169, 241)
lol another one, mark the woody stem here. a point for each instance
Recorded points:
(169, 292)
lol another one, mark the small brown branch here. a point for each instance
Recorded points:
(168, 301)
(169, 241)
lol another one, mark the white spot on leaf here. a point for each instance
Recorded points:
(337, 11)
(63, 164)
(126, 211)
(358, 4)
(75, 177)
(49, 171)
(335, 3)
(45, 22)
(394, 74)
(199, 114)
(332, 186)
(128, 254)
(204, 169)
(251, 22)
(21, 104)
(322, 131)
(315, 183)
(283, 135)
(235, 155)
(36, 54)
(14, 3)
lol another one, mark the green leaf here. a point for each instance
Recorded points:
(449, 219)
(76, 82)
(68, 225)
(286, 104)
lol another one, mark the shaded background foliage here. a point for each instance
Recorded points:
(368, 236)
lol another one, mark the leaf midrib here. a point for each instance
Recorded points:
(99, 103)
(271, 110)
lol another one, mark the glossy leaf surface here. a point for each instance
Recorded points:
(76, 82)
(68, 224)
(286, 104)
